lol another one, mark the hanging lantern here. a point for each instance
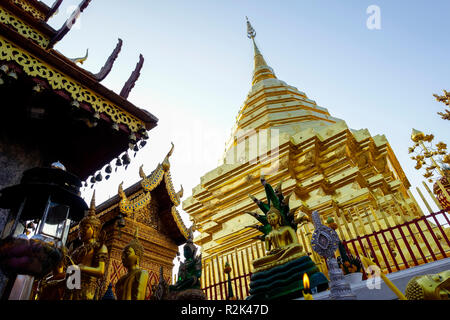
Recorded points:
(130, 146)
(4, 68)
(126, 159)
(115, 126)
(118, 162)
(143, 143)
(75, 104)
(92, 180)
(132, 137)
(38, 88)
(108, 169)
(97, 115)
(98, 177)
(13, 74)
(120, 221)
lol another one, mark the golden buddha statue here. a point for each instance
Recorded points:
(281, 243)
(133, 285)
(429, 287)
(90, 257)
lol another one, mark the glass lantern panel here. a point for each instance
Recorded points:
(55, 224)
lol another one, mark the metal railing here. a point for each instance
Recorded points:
(220, 291)
(415, 242)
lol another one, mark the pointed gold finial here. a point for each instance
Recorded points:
(262, 70)
(251, 33)
(136, 233)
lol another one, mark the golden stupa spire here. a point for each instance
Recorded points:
(262, 70)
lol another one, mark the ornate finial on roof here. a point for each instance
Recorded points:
(121, 192)
(141, 172)
(180, 193)
(81, 60)
(106, 69)
(68, 24)
(133, 78)
(166, 163)
(54, 9)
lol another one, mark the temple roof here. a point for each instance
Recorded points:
(157, 184)
(95, 125)
(37, 46)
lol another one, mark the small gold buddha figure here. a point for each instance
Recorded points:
(90, 257)
(429, 287)
(133, 285)
(281, 243)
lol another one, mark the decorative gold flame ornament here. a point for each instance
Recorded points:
(425, 155)
(445, 99)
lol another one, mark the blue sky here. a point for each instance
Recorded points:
(199, 64)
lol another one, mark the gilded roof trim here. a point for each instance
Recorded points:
(23, 28)
(59, 81)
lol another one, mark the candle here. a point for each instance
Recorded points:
(307, 296)
(306, 292)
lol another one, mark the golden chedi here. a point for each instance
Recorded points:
(281, 133)
(90, 257)
(133, 285)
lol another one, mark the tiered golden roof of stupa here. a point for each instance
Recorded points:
(345, 174)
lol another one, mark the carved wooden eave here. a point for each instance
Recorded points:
(23, 43)
(36, 9)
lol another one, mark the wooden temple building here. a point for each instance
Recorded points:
(347, 175)
(149, 206)
(56, 110)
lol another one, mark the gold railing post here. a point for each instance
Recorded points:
(424, 201)
(438, 204)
